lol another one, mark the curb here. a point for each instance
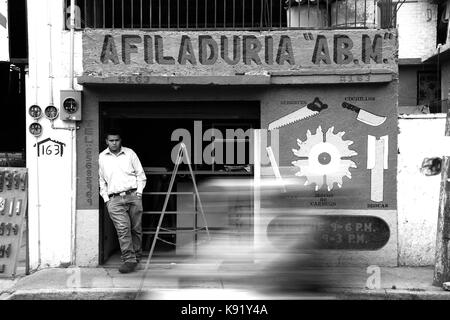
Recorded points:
(130, 294)
(74, 294)
(391, 294)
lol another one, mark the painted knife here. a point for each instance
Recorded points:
(310, 110)
(365, 116)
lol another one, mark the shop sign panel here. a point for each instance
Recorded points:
(121, 53)
(331, 232)
(337, 147)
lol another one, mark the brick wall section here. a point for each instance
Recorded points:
(416, 22)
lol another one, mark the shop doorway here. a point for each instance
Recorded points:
(151, 130)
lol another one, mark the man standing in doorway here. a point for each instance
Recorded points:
(122, 180)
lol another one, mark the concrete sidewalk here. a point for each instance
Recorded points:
(213, 281)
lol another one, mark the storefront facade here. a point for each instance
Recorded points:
(323, 101)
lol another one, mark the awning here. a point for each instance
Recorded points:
(443, 53)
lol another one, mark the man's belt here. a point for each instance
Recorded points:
(123, 193)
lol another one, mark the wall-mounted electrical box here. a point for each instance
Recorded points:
(70, 105)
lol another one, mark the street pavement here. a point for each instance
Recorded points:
(227, 268)
(213, 281)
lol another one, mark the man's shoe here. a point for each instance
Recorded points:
(128, 267)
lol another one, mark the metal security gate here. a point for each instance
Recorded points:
(234, 14)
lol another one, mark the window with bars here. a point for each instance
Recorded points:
(387, 13)
(228, 14)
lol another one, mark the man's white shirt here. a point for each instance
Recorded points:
(120, 172)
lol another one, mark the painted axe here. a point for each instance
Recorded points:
(365, 116)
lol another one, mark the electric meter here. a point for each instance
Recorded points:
(35, 129)
(70, 108)
(70, 105)
(35, 111)
(51, 112)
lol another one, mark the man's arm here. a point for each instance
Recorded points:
(102, 182)
(140, 173)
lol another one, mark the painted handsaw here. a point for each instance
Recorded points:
(310, 110)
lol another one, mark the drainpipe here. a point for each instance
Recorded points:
(438, 72)
(73, 168)
(72, 42)
(38, 204)
(71, 128)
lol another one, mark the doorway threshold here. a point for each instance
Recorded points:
(159, 258)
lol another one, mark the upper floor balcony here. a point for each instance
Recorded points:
(257, 15)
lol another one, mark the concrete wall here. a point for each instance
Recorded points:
(416, 23)
(418, 195)
(50, 175)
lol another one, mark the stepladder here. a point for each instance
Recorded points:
(182, 154)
